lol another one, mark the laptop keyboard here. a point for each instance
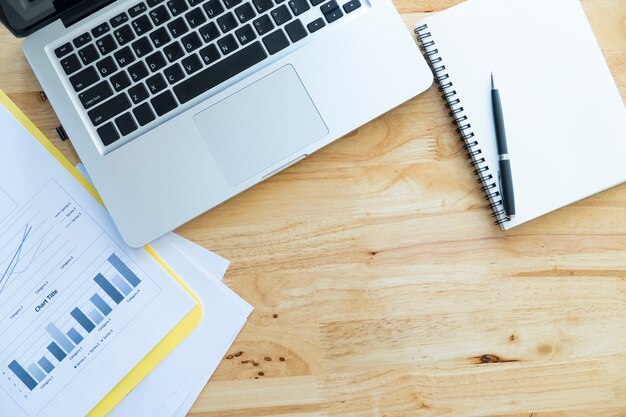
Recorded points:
(159, 55)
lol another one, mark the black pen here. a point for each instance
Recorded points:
(506, 178)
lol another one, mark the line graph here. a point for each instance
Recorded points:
(19, 254)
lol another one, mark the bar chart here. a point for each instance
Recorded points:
(83, 320)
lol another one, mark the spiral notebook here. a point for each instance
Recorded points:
(564, 116)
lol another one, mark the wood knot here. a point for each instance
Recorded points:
(512, 338)
(545, 349)
(489, 359)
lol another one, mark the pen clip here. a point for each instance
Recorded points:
(500, 191)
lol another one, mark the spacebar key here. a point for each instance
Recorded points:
(220, 72)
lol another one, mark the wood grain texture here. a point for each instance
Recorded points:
(382, 288)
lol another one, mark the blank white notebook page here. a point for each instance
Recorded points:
(565, 119)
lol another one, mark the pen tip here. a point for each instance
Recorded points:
(492, 83)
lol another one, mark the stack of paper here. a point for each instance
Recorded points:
(89, 325)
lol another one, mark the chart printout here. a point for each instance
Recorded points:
(78, 308)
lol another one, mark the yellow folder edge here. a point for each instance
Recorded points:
(173, 338)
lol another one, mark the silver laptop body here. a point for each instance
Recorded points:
(242, 90)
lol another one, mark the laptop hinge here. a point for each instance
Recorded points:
(74, 11)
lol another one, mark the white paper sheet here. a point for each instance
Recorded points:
(78, 308)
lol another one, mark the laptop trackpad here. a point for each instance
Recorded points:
(260, 125)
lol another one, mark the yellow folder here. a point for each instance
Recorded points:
(173, 338)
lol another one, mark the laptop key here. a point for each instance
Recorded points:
(334, 15)
(144, 114)
(95, 94)
(178, 27)
(124, 57)
(231, 3)
(106, 66)
(295, 30)
(174, 74)
(89, 54)
(153, 3)
(209, 32)
(177, 6)
(124, 35)
(126, 124)
(209, 54)
(106, 45)
(191, 42)
(159, 15)
(245, 34)
(160, 37)
(173, 51)
(120, 81)
(156, 61)
(191, 64)
(138, 71)
(263, 25)
(276, 41)
(137, 10)
(213, 8)
(316, 25)
(316, 2)
(227, 44)
(156, 84)
(262, 5)
(71, 64)
(84, 78)
(219, 72)
(164, 103)
(100, 30)
(351, 6)
(245, 12)
(281, 15)
(329, 7)
(63, 50)
(108, 134)
(141, 25)
(119, 20)
(109, 109)
(226, 22)
(195, 18)
(298, 6)
(142, 47)
(83, 39)
(138, 93)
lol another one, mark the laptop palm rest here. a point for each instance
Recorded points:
(260, 125)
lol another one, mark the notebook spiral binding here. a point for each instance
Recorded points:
(463, 126)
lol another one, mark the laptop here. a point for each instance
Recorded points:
(175, 106)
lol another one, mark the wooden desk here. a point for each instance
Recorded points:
(382, 288)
